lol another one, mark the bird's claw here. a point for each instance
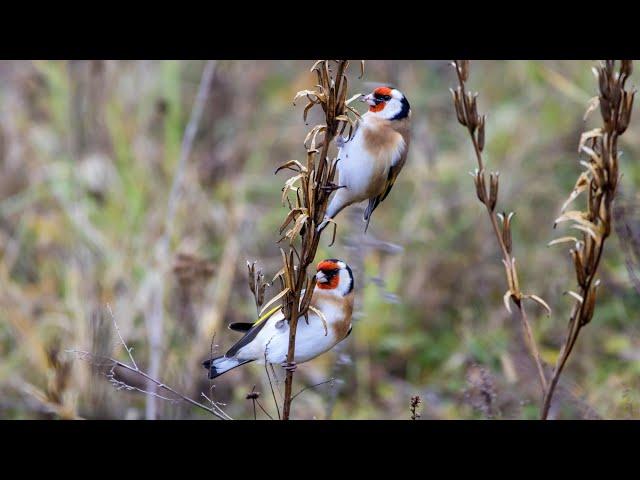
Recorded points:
(340, 141)
(289, 367)
(331, 187)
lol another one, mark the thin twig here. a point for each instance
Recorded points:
(115, 324)
(265, 412)
(266, 363)
(84, 355)
(216, 405)
(331, 380)
(120, 385)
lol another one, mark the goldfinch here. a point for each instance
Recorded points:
(369, 162)
(268, 338)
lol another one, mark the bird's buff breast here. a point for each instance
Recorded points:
(364, 164)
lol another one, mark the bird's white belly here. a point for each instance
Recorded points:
(362, 174)
(311, 341)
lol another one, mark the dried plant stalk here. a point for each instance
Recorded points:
(155, 385)
(310, 188)
(466, 107)
(600, 181)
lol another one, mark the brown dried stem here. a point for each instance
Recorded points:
(467, 113)
(315, 184)
(600, 181)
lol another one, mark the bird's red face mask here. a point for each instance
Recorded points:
(378, 99)
(328, 276)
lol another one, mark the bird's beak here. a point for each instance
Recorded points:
(321, 277)
(368, 99)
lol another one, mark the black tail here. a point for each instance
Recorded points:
(219, 365)
(373, 204)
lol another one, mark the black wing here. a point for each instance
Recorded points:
(253, 330)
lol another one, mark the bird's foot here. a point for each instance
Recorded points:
(331, 187)
(289, 367)
(324, 223)
(340, 141)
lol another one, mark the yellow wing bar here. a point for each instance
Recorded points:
(267, 315)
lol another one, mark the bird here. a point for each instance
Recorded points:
(370, 160)
(267, 340)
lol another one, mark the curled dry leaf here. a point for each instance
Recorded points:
(594, 103)
(581, 185)
(557, 241)
(576, 216)
(322, 317)
(540, 301)
(353, 98)
(506, 298)
(596, 132)
(588, 230)
(274, 300)
(290, 164)
(289, 186)
(297, 227)
(279, 274)
(595, 158)
(312, 135)
(574, 295)
(307, 93)
(291, 216)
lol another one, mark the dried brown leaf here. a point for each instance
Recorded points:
(321, 317)
(273, 300)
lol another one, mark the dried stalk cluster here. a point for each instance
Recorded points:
(600, 180)
(310, 188)
(466, 107)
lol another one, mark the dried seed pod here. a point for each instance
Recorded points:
(493, 189)
(463, 68)
(577, 262)
(589, 305)
(603, 82)
(506, 236)
(615, 96)
(253, 395)
(626, 68)
(472, 106)
(458, 106)
(627, 108)
(506, 229)
(479, 182)
(605, 110)
(481, 133)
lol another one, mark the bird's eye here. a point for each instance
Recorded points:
(330, 272)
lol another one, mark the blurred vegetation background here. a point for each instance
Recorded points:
(88, 154)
